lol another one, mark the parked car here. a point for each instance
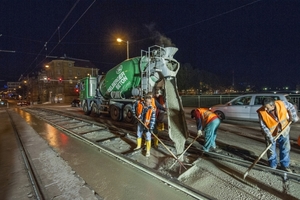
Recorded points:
(244, 107)
(23, 103)
(75, 103)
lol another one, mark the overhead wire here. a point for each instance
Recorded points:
(204, 20)
(72, 26)
(50, 39)
(216, 16)
(174, 30)
(60, 39)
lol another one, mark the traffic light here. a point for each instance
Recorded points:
(76, 90)
(48, 80)
(60, 80)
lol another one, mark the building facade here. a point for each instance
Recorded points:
(57, 82)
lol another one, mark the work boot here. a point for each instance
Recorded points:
(160, 126)
(287, 169)
(155, 143)
(138, 143)
(216, 150)
(148, 147)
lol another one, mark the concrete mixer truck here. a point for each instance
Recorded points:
(115, 92)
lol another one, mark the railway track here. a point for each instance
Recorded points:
(119, 142)
(38, 192)
(257, 136)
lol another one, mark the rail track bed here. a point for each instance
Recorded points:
(201, 176)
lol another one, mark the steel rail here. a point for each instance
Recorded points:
(241, 162)
(245, 163)
(38, 191)
(172, 182)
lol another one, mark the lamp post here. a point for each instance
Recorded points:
(127, 43)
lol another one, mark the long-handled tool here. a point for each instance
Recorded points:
(161, 143)
(186, 150)
(262, 154)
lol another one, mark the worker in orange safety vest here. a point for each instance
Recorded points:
(274, 116)
(144, 111)
(207, 122)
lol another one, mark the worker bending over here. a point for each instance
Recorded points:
(208, 122)
(274, 116)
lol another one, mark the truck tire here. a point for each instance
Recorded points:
(115, 113)
(86, 109)
(127, 114)
(95, 110)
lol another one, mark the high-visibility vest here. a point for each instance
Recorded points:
(206, 116)
(153, 103)
(139, 110)
(272, 123)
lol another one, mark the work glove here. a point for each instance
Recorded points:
(199, 133)
(270, 139)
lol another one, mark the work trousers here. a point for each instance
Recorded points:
(210, 131)
(141, 129)
(284, 152)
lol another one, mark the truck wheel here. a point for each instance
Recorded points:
(95, 110)
(127, 114)
(86, 109)
(115, 113)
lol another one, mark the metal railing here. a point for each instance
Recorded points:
(210, 100)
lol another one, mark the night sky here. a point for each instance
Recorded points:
(257, 40)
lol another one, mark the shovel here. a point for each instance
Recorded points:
(186, 150)
(262, 154)
(162, 143)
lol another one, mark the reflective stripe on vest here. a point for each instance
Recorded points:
(272, 123)
(139, 110)
(206, 116)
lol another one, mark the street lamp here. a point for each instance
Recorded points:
(127, 43)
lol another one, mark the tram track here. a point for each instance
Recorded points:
(123, 156)
(108, 138)
(255, 137)
(38, 192)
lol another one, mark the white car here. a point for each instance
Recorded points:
(244, 107)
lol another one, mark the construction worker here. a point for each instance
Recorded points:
(143, 110)
(208, 122)
(274, 116)
(159, 116)
(160, 112)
